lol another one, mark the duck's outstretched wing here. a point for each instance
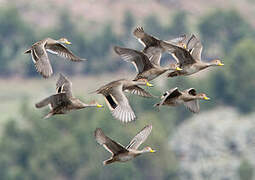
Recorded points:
(181, 55)
(193, 106)
(140, 137)
(41, 60)
(110, 145)
(168, 95)
(64, 85)
(53, 100)
(119, 105)
(144, 38)
(139, 59)
(138, 91)
(196, 51)
(61, 50)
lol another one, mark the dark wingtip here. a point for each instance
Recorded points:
(96, 130)
(27, 51)
(138, 29)
(116, 49)
(62, 75)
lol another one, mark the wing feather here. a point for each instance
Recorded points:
(62, 51)
(182, 55)
(196, 52)
(110, 145)
(41, 61)
(168, 95)
(144, 38)
(140, 137)
(138, 91)
(122, 111)
(64, 85)
(193, 106)
(54, 101)
(140, 59)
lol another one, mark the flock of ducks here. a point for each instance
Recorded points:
(185, 50)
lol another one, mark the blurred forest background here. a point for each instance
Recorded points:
(217, 144)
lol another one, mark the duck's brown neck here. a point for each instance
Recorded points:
(78, 104)
(137, 82)
(203, 65)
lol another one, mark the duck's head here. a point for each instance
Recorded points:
(148, 149)
(183, 45)
(64, 41)
(216, 62)
(174, 66)
(203, 96)
(144, 82)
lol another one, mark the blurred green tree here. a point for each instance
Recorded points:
(179, 24)
(64, 146)
(152, 25)
(245, 171)
(15, 34)
(128, 23)
(221, 29)
(235, 84)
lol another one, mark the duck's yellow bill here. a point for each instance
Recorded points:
(68, 42)
(220, 64)
(99, 105)
(152, 151)
(178, 69)
(184, 46)
(148, 84)
(206, 98)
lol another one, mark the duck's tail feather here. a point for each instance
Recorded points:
(108, 161)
